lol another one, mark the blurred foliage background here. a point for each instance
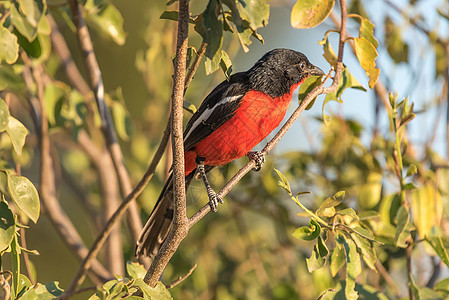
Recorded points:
(246, 250)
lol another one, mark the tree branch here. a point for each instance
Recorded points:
(56, 215)
(107, 126)
(180, 226)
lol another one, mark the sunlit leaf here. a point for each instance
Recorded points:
(15, 266)
(427, 206)
(412, 170)
(4, 115)
(366, 54)
(135, 270)
(226, 64)
(108, 19)
(255, 11)
(9, 49)
(21, 23)
(370, 192)
(438, 246)
(284, 182)
(308, 233)
(443, 285)
(367, 250)
(158, 292)
(190, 107)
(17, 133)
(329, 53)
(402, 220)
(7, 225)
(25, 195)
(33, 10)
(310, 13)
(353, 265)
(306, 87)
(315, 261)
(49, 290)
(367, 31)
(338, 259)
(327, 208)
(348, 212)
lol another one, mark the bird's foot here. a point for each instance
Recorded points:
(214, 199)
(258, 157)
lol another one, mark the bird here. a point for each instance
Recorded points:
(236, 116)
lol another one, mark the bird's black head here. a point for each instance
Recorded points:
(279, 69)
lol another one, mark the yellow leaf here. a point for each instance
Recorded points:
(366, 54)
(427, 205)
(310, 13)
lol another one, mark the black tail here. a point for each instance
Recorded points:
(158, 225)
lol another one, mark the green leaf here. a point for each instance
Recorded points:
(210, 27)
(310, 13)
(9, 49)
(353, 265)
(308, 233)
(327, 208)
(213, 64)
(348, 212)
(402, 220)
(283, 182)
(108, 19)
(50, 290)
(396, 46)
(17, 133)
(427, 206)
(370, 192)
(346, 81)
(329, 53)
(33, 10)
(412, 170)
(53, 96)
(226, 64)
(322, 248)
(7, 225)
(122, 121)
(33, 48)
(158, 292)
(367, 31)
(366, 54)
(15, 267)
(25, 195)
(443, 285)
(367, 250)
(306, 87)
(190, 107)
(338, 258)
(135, 270)
(173, 15)
(4, 115)
(255, 11)
(21, 22)
(437, 245)
(315, 261)
(10, 79)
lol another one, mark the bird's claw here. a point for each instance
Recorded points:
(214, 199)
(259, 159)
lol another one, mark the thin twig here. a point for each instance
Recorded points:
(408, 255)
(182, 278)
(195, 65)
(390, 281)
(102, 236)
(60, 221)
(107, 126)
(26, 256)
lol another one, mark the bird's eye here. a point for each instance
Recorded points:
(302, 65)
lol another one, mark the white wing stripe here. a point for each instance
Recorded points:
(206, 114)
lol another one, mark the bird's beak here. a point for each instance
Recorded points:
(315, 71)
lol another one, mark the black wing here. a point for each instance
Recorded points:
(218, 107)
